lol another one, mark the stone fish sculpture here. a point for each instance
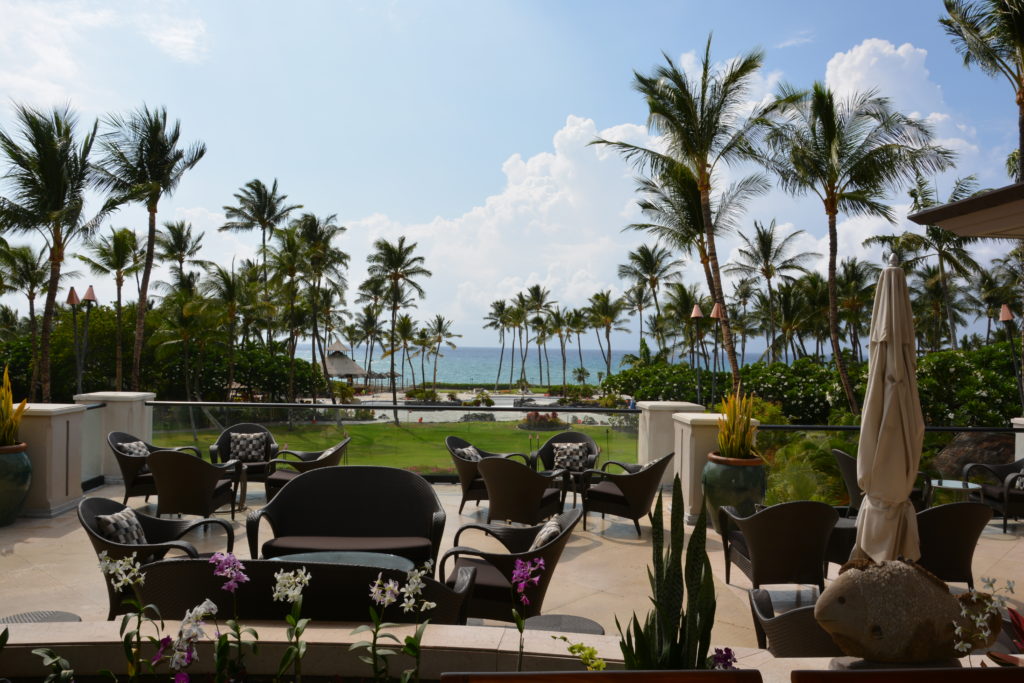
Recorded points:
(896, 611)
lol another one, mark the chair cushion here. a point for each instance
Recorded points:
(571, 456)
(122, 527)
(547, 533)
(406, 546)
(995, 492)
(469, 453)
(249, 447)
(281, 477)
(134, 448)
(605, 490)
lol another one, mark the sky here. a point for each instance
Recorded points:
(465, 125)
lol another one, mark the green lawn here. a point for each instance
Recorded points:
(416, 446)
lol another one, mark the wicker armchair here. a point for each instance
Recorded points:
(795, 633)
(138, 480)
(848, 469)
(517, 493)
(255, 470)
(628, 495)
(472, 484)
(784, 543)
(187, 485)
(361, 508)
(1002, 488)
(545, 455)
(307, 460)
(949, 534)
(493, 595)
(162, 536)
(336, 592)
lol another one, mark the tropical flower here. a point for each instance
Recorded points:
(231, 568)
(290, 584)
(523, 575)
(123, 572)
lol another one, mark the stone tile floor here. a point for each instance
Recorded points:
(49, 564)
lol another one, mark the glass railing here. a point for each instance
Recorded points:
(409, 436)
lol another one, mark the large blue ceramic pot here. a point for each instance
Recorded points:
(740, 482)
(15, 478)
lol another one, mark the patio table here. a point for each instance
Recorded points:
(353, 557)
(963, 488)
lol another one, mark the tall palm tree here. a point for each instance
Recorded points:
(48, 174)
(637, 298)
(405, 335)
(177, 244)
(606, 315)
(257, 206)
(439, 332)
(538, 303)
(703, 125)
(142, 161)
(742, 293)
(226, 287)
(849, 153)
(855, 284)
(28, 271)
(558, 324)
(990, 34)
(114, 253)
(992, 291)
(371, 329)
(929, 298)
(814, 290)
(396, 265)
(579, 322)
(497, 319)
(521, 323)
(652, 266)
(769, 255)
(287, 260)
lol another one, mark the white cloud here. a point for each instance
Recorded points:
(896, 72)
(799, 38)
(182, 38)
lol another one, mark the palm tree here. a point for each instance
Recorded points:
(742, 293)
(637, 298)
(579, 322)
(28, 271)
(990, 34)
(849, 153)
(538, 303)
(929, 298)
(114, 254)
(48, 174)
(439, 332)
(177, 244)
(521, 323)
(702, 122)
(257, 206)
(558, 324)
(855, 285)
(226, 288)
(497, 319)
(405, 334)
(767, 255)
(992, 292)
(606, 314)
(394, 264)
(652, 266)
(814, 289)
(371, 329)
(287, 260)
(142, 161)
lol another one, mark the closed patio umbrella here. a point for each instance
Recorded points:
(892, 428)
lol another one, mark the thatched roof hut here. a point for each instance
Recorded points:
(340, 365)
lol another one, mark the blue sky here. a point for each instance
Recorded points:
(464, 124)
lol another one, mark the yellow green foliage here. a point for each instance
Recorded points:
(736, 431)
(10, 417)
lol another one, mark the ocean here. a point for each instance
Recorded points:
(479, 364)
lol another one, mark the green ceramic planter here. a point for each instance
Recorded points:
(740, 482)
(15, 478)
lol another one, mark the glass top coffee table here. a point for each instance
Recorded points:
(353, 557)
(964, 488)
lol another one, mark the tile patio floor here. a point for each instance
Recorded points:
(49, 564)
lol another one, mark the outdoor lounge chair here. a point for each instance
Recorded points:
(336, 592)
(795, 633)
(358, 508)
(1002, 488)
(255, 457)
(546, 457)
(138, 480)
(493, 596)
(187, 485)
(949, 534)
(628, 495)
(518, 494)
(473, 487)
(848, 469)
(282, 470)
(162, 536)
(783, 543)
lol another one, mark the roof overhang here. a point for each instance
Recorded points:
(999, 213)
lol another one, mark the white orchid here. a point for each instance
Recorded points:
(289, 585)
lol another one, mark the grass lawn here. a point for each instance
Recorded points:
(416, 446)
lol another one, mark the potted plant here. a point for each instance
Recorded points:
(735, 473)
(15, 467)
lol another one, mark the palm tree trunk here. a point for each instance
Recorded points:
(56, 256)
(33, 388)
(547, 364)
(140, 309)
(597, 333)
(948, 304)
(512, 360)
(561, 342)
(540, 364)
(579, 349)
(608, 340)
(501, 358)
(118, 377)
(524, 351)
(771, 321)
(231, 350)
(437, 352)
(1020, 135)
(709, 231)
(391, 356)
(833, 315)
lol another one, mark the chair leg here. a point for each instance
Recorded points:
(462, 505)
(636, 523)
(125, 502)
(728, 560)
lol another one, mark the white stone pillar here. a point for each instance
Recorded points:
(53, 434)
(125, 411)
(1018, 437)
(656, 436)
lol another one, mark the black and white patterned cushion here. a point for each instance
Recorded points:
(547, 533)
(249, 447)
(469, 453)
(134, 448)
(571, 456)
(122, 527)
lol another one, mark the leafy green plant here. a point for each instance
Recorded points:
(586, 654)
(10, 417)
(736, 430)
(671, 637)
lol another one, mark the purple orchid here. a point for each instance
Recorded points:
(231, 568)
